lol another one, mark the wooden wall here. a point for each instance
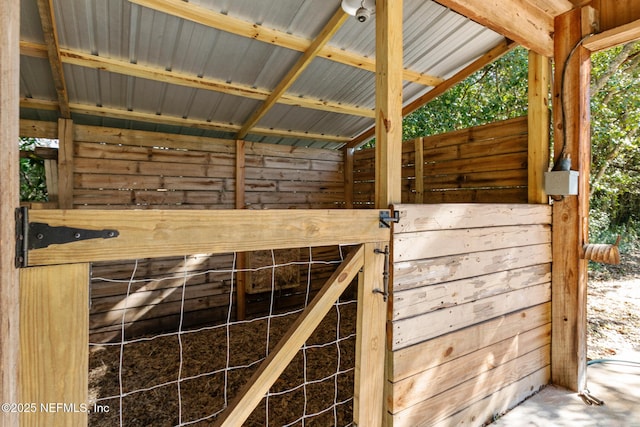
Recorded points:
(470, 323)
(123, 169)
(484, 164)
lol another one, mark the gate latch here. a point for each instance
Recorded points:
(38, 235)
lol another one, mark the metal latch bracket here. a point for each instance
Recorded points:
(386, 219)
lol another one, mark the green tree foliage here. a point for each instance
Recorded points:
(615, 139)
(33, 186)
(499, 91)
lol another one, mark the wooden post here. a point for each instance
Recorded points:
(54, 344)
(241, 260)
(65, 163)
(370, 378)
(538, 158)
(419, 170)
(388, 103)
(570, 215)
(348, 177)
(9, 201)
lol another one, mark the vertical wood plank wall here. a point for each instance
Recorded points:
(470, 321)
(483, 164)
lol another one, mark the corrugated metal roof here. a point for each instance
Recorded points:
(437, 42)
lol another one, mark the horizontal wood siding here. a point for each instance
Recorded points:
(484, 164)
(470, 314)
(125, 169)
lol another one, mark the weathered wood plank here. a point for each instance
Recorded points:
(491, 131)
(457, 216)
(431, 382)
(475, 149)
(412, 274)
(420, 328)
(157, 233)
(432, 244)
(152, 139)
(448, 403)
(54, 342)
(429, 354)
(500, 401)
(426, 299)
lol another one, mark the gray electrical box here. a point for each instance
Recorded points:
(561, 183)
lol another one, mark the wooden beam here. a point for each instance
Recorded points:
(196, 123)
(182, 79)
(348, 154)
(495, 53)
(616, 13)
(47, 19)
(65, 163)
(9, 201)
(518, 20)
(419, 170)
(389, 54)
(158, 233)
(303, 62)
(368, 399)
(208, 17)
(241, 257)
(570, 215)
(54, 343)
(613, 37)
(278, 360)
(538, 123)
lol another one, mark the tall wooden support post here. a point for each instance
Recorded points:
(388, 103)
(538, 157)
(9, 201)
(65, 163)
(369, 407)
(241, 260)
(54, 345)
(570, 215)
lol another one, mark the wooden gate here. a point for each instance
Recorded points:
(55, 294)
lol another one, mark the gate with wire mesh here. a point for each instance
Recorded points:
(216, 373)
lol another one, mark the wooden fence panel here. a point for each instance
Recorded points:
(470, 314)
(484, 164)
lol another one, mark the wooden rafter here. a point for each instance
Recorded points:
(47, 19)
(69, 56)
(242, 28)
(303, 62)
(519, 20)
(177, 121)
(613, 37)
(485, 59)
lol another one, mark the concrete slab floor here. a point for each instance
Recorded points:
(614, 382)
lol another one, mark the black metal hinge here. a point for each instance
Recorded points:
(37, 235)
(386, 219)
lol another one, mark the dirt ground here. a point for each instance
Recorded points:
(327, 371)
(613, 308)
